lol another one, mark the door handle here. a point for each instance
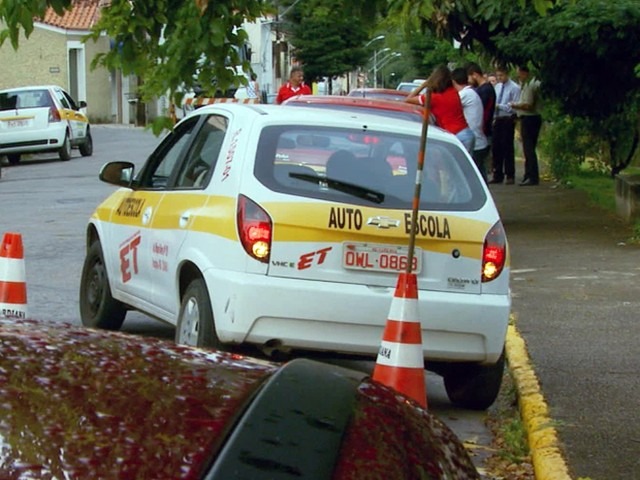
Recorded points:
(184, 219)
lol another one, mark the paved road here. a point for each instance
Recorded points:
(576, 298)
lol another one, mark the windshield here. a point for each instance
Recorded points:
(327, 163)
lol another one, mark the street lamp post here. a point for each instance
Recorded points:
(374, 39)
(375, 65)
(378, 64)
(379, 37)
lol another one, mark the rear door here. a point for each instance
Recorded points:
(181, 205)
(351, 224)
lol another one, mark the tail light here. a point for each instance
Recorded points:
(54, 115)
(254, 228)
(494, 253)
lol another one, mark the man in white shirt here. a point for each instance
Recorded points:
(473, 110)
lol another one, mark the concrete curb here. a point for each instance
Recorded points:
(548, 463)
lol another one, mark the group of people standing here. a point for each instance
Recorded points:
(483, 116)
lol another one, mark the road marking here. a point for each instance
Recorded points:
(578, 277)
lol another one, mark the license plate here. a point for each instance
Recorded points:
(22, 122)
(379, 258)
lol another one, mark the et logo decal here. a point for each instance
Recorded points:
(309, 259)
(129, 256)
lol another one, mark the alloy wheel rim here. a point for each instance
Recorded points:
(190, 322)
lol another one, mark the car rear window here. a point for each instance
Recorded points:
(25, 99)
(366, 168)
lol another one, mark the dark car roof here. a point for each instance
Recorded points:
(82, 403)
(75, 401)
(367, 104)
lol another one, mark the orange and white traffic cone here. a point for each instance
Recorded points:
(13, 285)
(400, 362)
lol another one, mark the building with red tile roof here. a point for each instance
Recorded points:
(82, 16)
(57, 52)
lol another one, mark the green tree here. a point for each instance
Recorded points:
(328, 45)
(585, 52)
(329, 36)
(587, 58)
(171, 44)
(472, 23)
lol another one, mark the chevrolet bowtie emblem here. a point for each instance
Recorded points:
(383, 222)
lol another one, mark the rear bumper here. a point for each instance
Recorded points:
(347, 318)
(43, 140)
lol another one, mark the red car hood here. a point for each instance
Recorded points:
(81, 403)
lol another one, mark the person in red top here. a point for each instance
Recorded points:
(295, 86)
(446, 107)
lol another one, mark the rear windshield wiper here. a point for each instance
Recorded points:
(344, 187)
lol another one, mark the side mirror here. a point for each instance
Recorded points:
(117, 173)
(83, 104)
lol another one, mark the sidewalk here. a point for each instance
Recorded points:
(574, 281)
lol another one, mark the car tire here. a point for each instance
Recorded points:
(13, 158)
(65, 149)
(474, 386)
(86, 147)
(98, 309)
(195, 324)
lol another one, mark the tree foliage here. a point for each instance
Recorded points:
(171, 45)
(327, 44)
(587, 55)
(20, 14)
(329, 36)
(584, 52)
(472, 23)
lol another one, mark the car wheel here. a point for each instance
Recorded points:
(13, 158)
(195, 320)
(474, 386)
(86, 148)
(65, 150)
(98, 309)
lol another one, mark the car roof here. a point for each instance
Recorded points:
(29, 87)
(88, 403)
(353, 100)
(390, 91)
(169, 401)
(358, 102)
(300, 115)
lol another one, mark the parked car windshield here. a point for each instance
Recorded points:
(381, 162)
(25, 99)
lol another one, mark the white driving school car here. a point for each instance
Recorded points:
(286, 228)
(37, 119)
